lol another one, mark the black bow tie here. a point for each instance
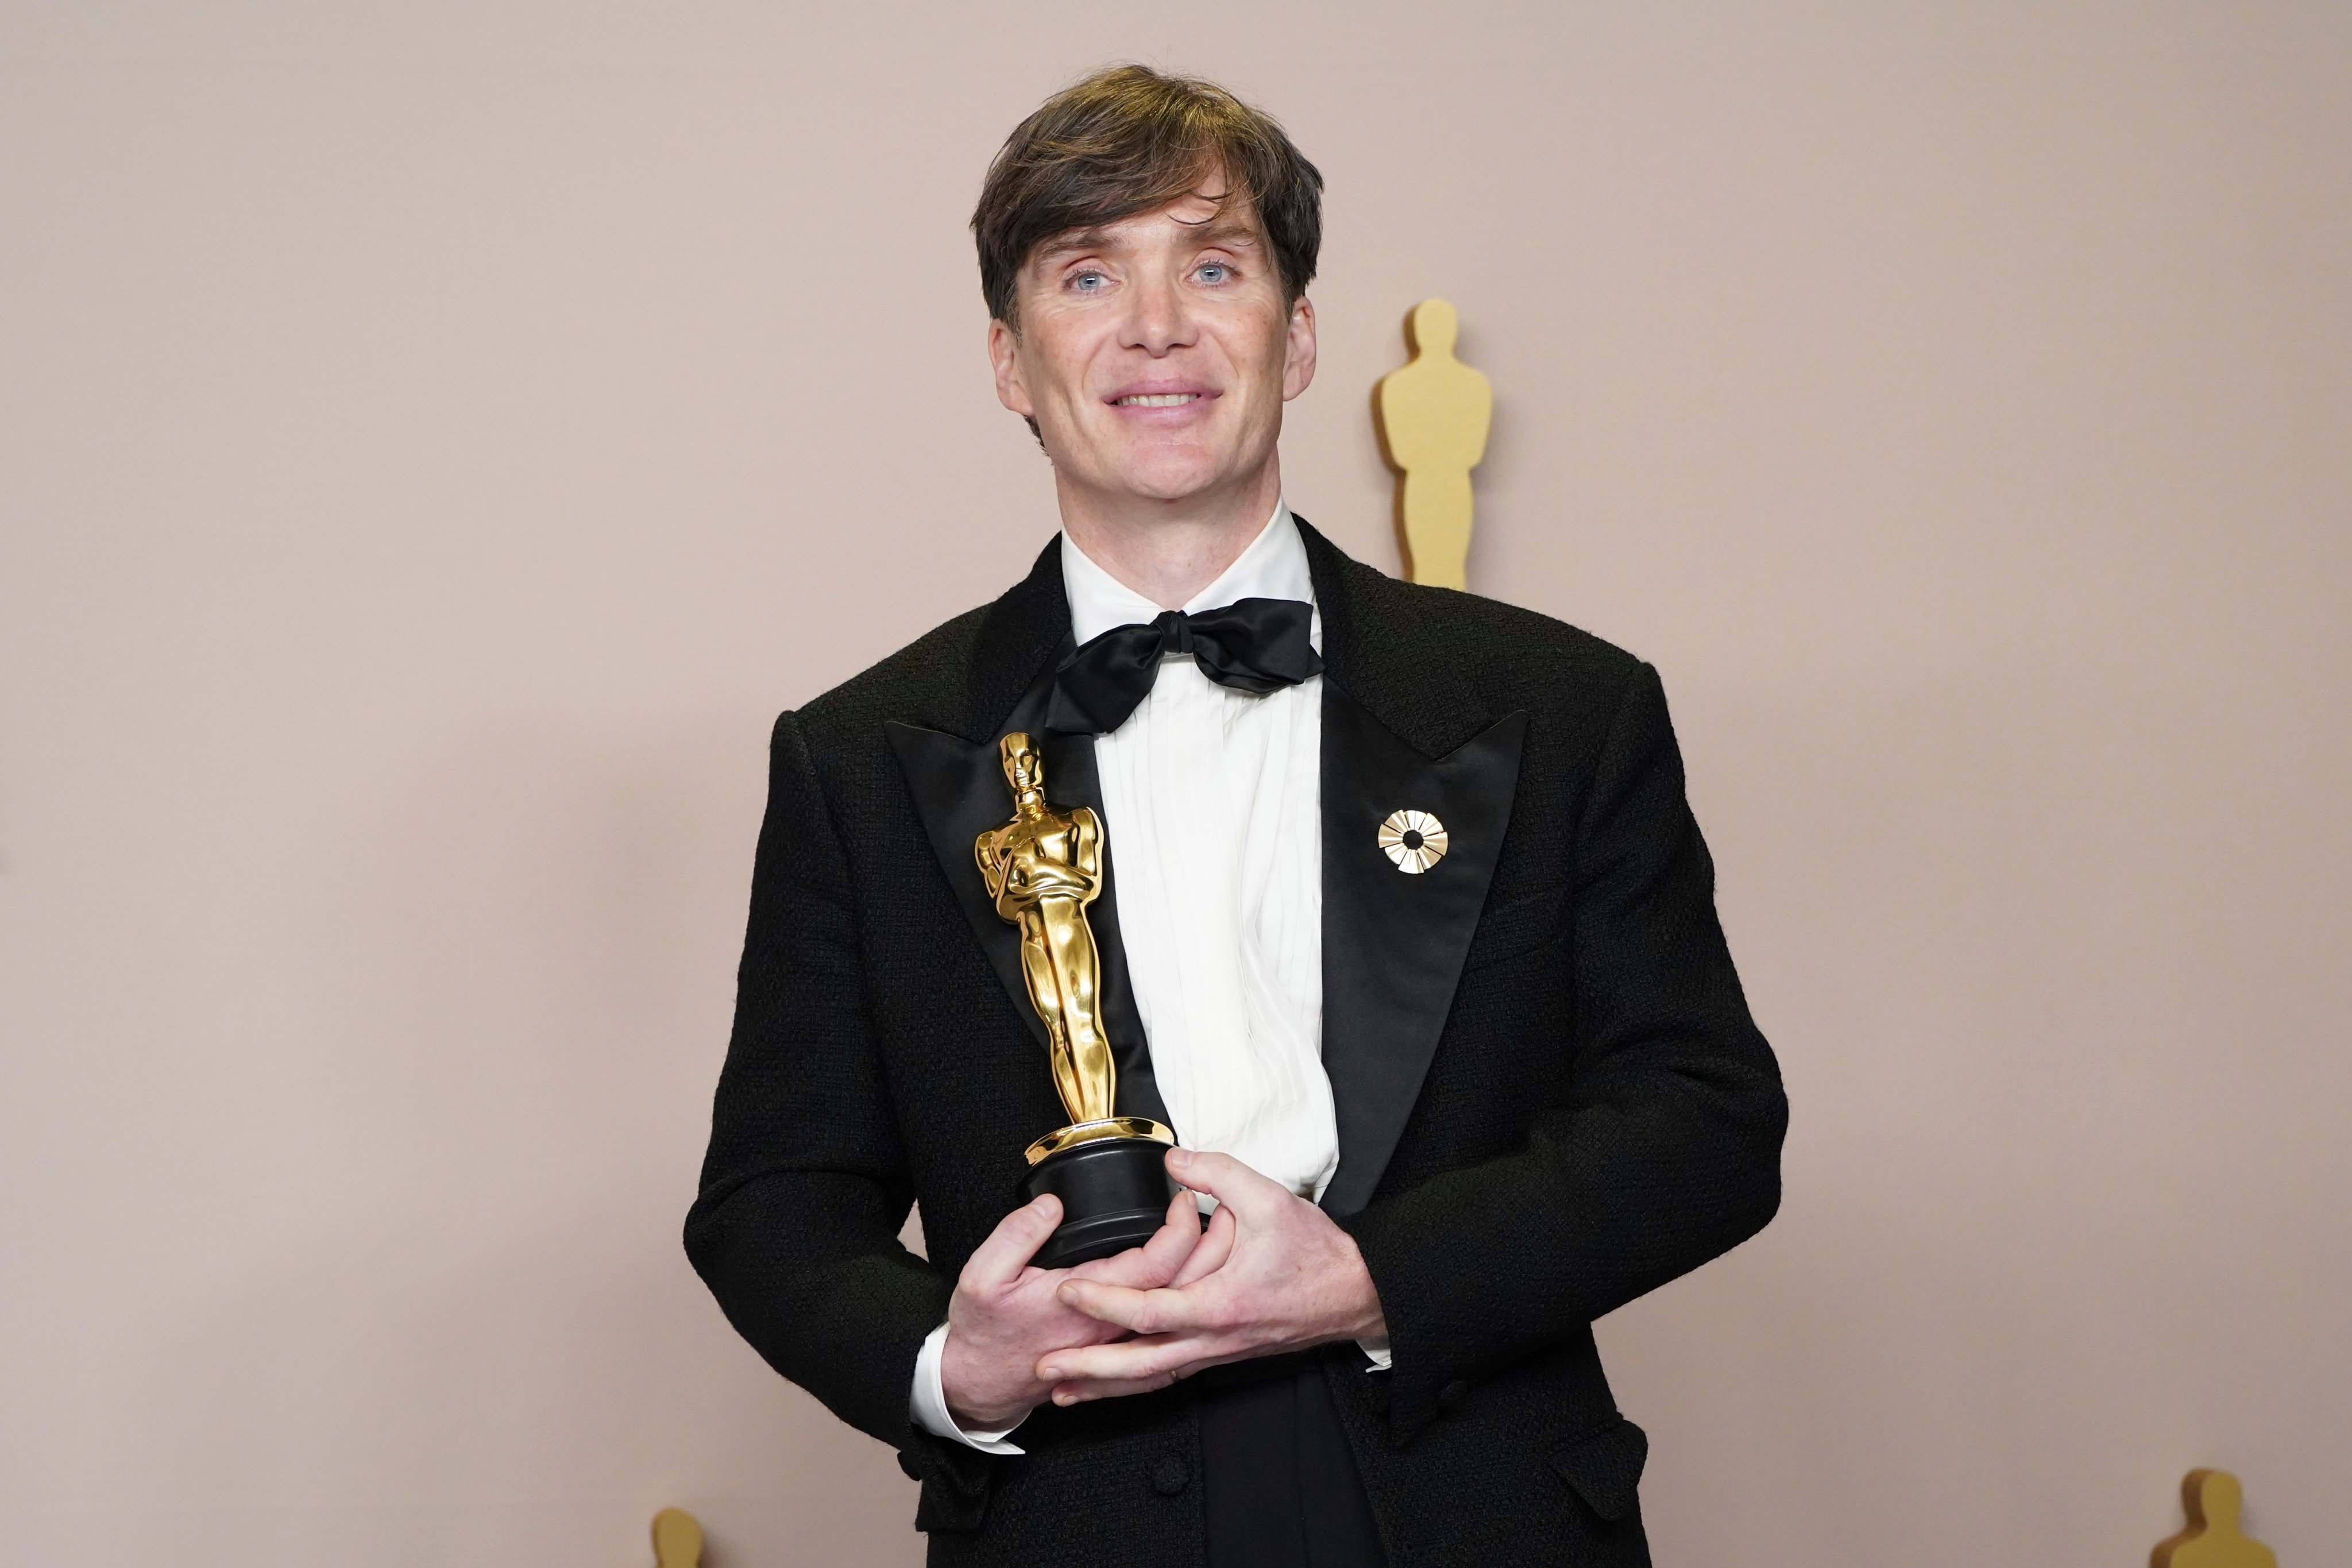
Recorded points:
(1251, 645)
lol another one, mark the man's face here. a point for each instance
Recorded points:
(1155, 353)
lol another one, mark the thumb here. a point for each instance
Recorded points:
(998, 1261)
(1225, 1179)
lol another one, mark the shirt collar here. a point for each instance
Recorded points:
(1273, 567)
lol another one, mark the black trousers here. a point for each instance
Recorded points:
(1281, 1488)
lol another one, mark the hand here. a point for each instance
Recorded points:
(1004, 1314)
(1272, 1273)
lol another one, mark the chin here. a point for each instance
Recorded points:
(1169, 488)
(1170, 476)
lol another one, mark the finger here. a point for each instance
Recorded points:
(1158, 1259)
(1227, 1180)
(1124, 1361)
(1215, 1245)
(998, 1261)
(1172, 1244)
(1096, 1388)
(1143, 1311)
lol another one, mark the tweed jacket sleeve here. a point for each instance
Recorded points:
(1667, 1151)
(805, 1184)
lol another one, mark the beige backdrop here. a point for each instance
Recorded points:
(436, 437)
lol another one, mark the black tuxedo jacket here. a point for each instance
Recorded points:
(1550, 1096)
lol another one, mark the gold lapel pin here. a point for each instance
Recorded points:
(1412, 840)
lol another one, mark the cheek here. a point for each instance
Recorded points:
(1257, 352)
(1056, 359)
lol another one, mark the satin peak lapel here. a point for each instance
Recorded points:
(960, 792)
(1394, 942)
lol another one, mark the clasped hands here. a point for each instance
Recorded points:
(1270, 1273)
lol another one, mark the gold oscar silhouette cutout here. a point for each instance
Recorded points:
(678, 1540)
(2212, 1498)
(1433, 415)
(1043, 868)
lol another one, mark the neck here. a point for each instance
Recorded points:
(1168, 551)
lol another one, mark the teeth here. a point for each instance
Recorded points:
(1158, 400)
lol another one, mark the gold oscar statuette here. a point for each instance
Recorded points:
(1042, 869)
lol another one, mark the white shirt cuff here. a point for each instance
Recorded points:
(1381, 1357)
(927, 1404)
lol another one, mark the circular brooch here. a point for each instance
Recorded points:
(1412, 840)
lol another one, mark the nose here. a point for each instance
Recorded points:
(1158, 318)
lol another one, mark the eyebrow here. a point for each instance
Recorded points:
(1229, 232)
(1232, 233)
(1083, 239)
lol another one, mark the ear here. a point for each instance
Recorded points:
(1298, 356)
(1004, 356)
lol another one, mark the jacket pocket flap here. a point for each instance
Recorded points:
(1605, 1466)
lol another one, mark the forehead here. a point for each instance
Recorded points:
(1192, 219)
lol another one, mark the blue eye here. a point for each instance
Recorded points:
(1087, 282)
(1220, 270)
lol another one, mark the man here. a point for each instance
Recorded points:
(1407, 931)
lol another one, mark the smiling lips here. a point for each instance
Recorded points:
(1156, 399)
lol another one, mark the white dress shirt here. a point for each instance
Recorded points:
(1213, 816)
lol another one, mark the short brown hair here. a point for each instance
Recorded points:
(1125, 141)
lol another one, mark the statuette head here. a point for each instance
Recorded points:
(1025, 770)
(1435, 327)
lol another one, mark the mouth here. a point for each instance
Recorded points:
(1161, 396)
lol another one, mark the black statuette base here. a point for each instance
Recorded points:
(1115, 1193)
